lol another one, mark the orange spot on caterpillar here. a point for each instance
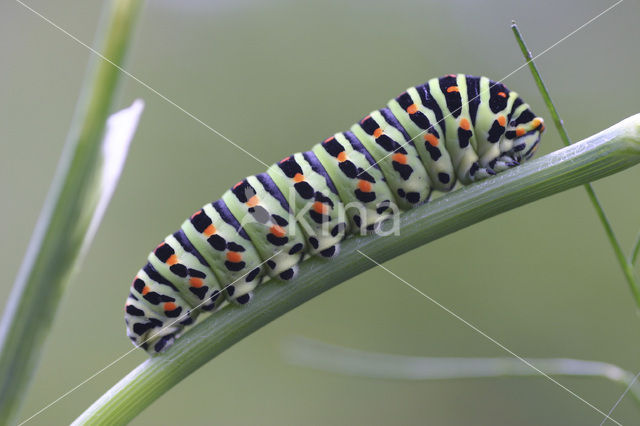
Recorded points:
(209, 230)
(172, 260)
(399, 158)
(169, 306)
(145, 290)
(431, 138)
(520, 131)
(328, 139)
(237, 185)
(285, 159)
(195, 282)
(234, 256)
(278, 231)
(196, 213)
(319, 207)
(342, 156)
(365, 119)
(452, 89)
(253, 201)
(412, 109)
(377, 133)
(364, 186)
(502, 94)
(536, 122)
(298, 177)
(464, 124)
(502, 120)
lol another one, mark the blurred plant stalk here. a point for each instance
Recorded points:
(317, 355)
(84, 181)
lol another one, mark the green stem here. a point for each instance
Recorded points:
(541, 86)
(608, 152)
(64, 219)
(635, 251)
(625, 265)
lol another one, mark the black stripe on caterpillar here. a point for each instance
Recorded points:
(457, 128)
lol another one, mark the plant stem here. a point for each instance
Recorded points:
(68, 209)
(353, 362)
(635, 251)
(625, 265)
(608, 152)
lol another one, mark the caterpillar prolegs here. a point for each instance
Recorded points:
(454, 128)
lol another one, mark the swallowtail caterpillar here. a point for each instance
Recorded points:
(454, 128)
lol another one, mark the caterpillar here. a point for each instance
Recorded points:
(457, 128)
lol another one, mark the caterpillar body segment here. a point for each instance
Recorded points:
(311, 193)
(457, 128)
(394, 151)
(264, 213)
(360, 181)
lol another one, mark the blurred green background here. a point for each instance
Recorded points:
(277, 77)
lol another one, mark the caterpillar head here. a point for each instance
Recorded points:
(525, 131)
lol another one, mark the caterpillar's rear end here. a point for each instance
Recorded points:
(454, 128)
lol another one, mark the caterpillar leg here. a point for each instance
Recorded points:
(240, 295)
(289, 274)
(479, 173)
(330, 252)
(504, 162)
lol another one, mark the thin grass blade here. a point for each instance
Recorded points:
(625, 265)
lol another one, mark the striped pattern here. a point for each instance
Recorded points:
(457, 128)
